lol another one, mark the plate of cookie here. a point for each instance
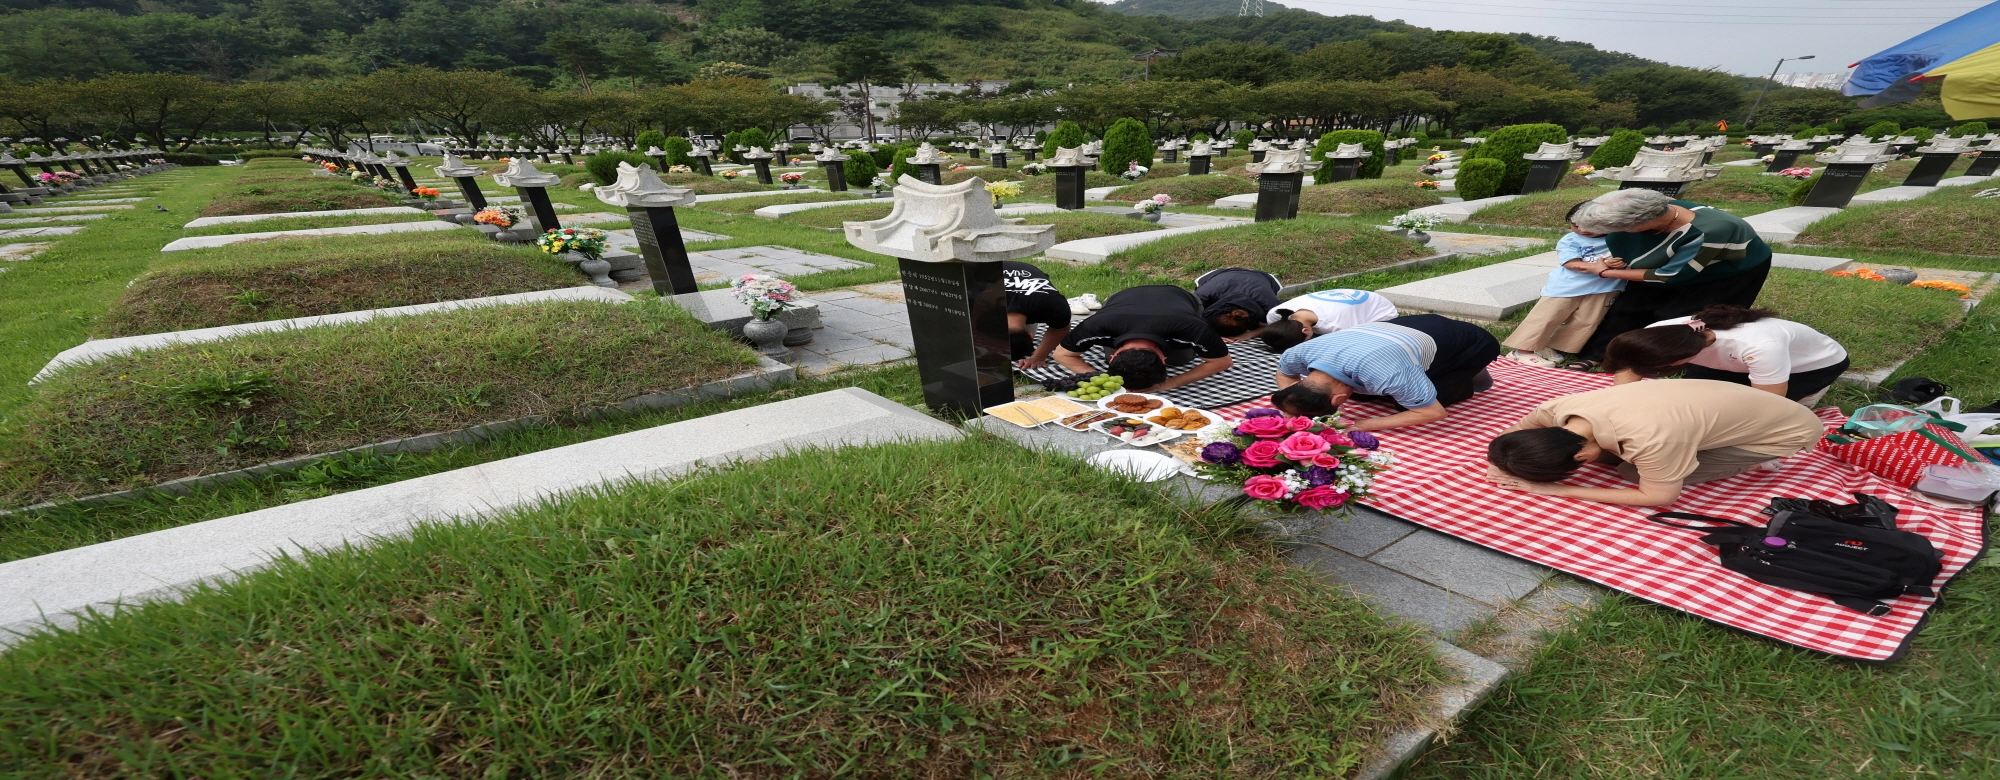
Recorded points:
(1134, 403)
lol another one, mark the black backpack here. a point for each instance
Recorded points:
(1851, 554)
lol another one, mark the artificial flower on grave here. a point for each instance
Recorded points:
(1940, 284)
(1585, 170)
(881, 182)
(589, 242)
(731, 174)
(792, 177)
(1861, 273)
(1001, 190)
(1439, 157)
(1133, 170)
(427, 193)
(958, 167)
(766, 295)
(1797, 173)
(498, 216)
(1416, 222)
(1293, 463)
(1035, 169)
(1153, 205)
(1427, 184)
(679, 169)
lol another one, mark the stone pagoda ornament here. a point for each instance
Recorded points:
(532, 185)
(949, 243)
(650, 203)
(1547, 166)
(467, 179)
(761, 160)
(1847, 166)
(1668, 173)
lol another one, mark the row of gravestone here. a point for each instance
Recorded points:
(96, 168)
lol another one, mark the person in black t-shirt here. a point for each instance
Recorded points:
(1235, 300)
(1146, 329)
(1032, 298)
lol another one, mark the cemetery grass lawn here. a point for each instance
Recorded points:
(1879, 323)
(278, 280)
(747, 205)
(714, 185)
(308, 223)
(1636, 690)
(1949, 221)
(304, 192)
(50, 303)
(1544, 210)
(1366, 196)
(1900, 257)
(1044, 185)
(1185, 190)
(954, 177)
(905, 608)
(1309, 247)
(195, 409)
(28, 534)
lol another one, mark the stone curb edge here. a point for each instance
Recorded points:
(1301, 288)
(1477, 679)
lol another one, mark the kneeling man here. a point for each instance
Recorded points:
(1661, 434)
(1420, 362)
(1146, 329)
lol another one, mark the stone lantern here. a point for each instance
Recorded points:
(1847, 166)
(650, 202)
(930, 163)
(1546, 166)
(1280, 179)
(1198, 158)
(467, 179)
(1668, 173)
(950, 244)
(1069, 167)
(532, 185)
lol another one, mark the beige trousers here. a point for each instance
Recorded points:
(1561, 324)
(1709, 465)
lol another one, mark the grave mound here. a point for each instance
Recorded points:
(1310, 247)
(1185, 190)
(1949, 221)
(1362, 197)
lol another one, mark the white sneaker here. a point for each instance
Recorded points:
(1078, 307)
(1090, 300)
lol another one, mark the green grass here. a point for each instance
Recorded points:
(903, 608)
(187, 410)
(1044, 186)
(264, 190)
(1879, 323)
(1366, 196)
(1309, 247)
(1963, 359)
(241, 283)
(1949, 221)
(1544, 210)
(747, 205)
(1185, 190)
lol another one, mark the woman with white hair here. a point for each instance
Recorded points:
(1679, 257)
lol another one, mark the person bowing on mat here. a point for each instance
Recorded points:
(1146, 329)
(1420, 363)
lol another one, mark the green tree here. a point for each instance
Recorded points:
(927, 117)
(1970, 129)
(1619, 149)
(1507, 144)
(160, 105)
(1480, 177)
(1128, 141)
(679, 151)
(755, 137)
(1343, 61)
(460, 102)
(1881, 130)
(603, 166)
(650, 139)
(863, 62)
(1066, 135)
(1371, 166)
(730, 141)
(860, 169)
(900, 165)
(1666, 94)
(1235, 63)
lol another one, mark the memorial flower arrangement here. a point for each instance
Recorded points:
(731, 174)
(1940, 284)
(1418, 222)
(1035, 169)
(427, 193)
(881, 182)
(386, 183)
(1293, 463)
(157, 161)
(958, 167)
(1153, 205)
(1863, 273)
(792, 177)
(1585, 170)
(1427, 184)
(1769, 158)
(1430, 170)
(1797, 173)
(589, 242)
(358, 175)
(499, 217)
(765, 295)
(1133, 170)
(1001, 190)
(1439, 157)
(679, 169)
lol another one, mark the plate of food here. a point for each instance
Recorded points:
(1180, 418)
(1134, 403)
(1037, 412)
(1135, 432)
(1082, 421)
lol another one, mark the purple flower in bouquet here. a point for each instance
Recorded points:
(1222, 453)
(1254, 413)
(1364, 439)
(1318, 475)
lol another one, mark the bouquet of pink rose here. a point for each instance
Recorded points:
(1293, 462)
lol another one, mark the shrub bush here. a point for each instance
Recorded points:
(1067, 135)
(679, 151)
(258, 154)
(188, 158)
(1480, 177)
(860, 169)
(755, 137)
(884, 156)
(603, 166)
(650, 139)
(1128, 141)
(1970, 128)
(1590, 132)
(1507, 144)
(1922, 133)
(1371, 166)
(729, 143)
(1619, 150)
(900, 165)
(1650, 130)
(1879, 130)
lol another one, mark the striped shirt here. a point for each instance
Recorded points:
(1378, 358)
(1716, 244)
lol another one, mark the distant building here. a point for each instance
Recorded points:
(1814, 80)
(881, 102)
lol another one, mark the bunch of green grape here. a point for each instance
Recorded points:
(1097, 387)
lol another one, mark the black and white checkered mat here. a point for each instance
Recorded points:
(1251, 376)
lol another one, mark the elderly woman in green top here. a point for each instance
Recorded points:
(1678, 256)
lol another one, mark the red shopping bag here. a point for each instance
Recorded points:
(1901, 457)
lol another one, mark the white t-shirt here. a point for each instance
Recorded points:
(1770, 350)
(1338, 309)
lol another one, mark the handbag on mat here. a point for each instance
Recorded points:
(1853, 561)
(1902, 446)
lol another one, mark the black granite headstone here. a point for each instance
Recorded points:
(1257, 155)
(1671, 189)
(567, 159)
(972, 151)
(666, 254)
(403, 174)
(930, 173)
(1760, 150)
(540, 208)
(1197, 165)
(958, 319)
(469, 187)
(1278, 195)
(705, 165)
(1544, 175)
(836, 175)
(1782, 159)
(1837, 185)
(999, 159)
(1986, 164)
(1905, 149)
(1339, 169)
(1069, 187)
(1172, 156)
(763, 166)
(1395, 157)
(21, 170)
(1029, 154)
(1930, 169)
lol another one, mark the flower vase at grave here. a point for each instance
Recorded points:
(1937, 158)
(929, 163)
(1846, 168)
(767, 334)
(950, 244)
(651, 202)
(835, 164)
(761, 160)
(532, 185)
(1547, 166)
(1069, 168)
(1344, 164)
(1988, 161)
(1280, 178)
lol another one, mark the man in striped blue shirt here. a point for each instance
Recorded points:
(1421, 363)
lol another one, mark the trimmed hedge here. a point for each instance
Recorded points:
(860, 170)
(1128, 141)
(1068, 135)
(1509, 143)
(679, 151)
(1619, 149)
(1371, 166)
(603, 166)
(1480, 177)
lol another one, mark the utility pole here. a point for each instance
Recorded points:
(1760, 95)
(1251, 8)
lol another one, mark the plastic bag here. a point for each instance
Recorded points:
(1948, 408)
(1877, 420)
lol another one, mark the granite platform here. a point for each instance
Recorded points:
(205, 242)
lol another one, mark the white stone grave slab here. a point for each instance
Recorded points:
(1024, 209)
(22, 251)
(1490, 292)
(595, 218)
(1246, 200)
(780, 210)
(1809, 262)
(1744, 163)
(39, 232)
(1097, 250)
(206, 221)
(1783, 225)
(54, 219)
(36, 211)
(627, 239)
(1462, 210)
(700, 199)
(1100, 193)
(1965, 181)
(91, 351)
(67, 202)
(204, 242)
(159, 566)
(1890, 195)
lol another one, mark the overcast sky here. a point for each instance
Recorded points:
(1745, 37)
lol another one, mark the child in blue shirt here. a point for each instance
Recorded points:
(1573, 301)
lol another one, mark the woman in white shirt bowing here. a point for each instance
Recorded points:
(1320, 313)
(1732, 344)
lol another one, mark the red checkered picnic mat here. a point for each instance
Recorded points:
(1439, 482)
